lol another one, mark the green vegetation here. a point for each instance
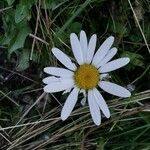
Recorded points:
(29, 118)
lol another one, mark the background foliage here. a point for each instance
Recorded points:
(28, 31)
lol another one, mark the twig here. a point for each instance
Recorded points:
(36, 27)
(135, 43)
(126, 114)
(4, 9)
(43, 94)
(5, 95)
(5, 138)
(141, 75)
(19, 75)
(136, 19)
(30, 123)
(35, 37)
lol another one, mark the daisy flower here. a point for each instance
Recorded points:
(86, 75)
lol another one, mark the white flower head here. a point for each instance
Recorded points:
(85, 76)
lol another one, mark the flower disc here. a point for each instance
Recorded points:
(86, 76)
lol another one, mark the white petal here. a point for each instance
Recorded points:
(83, 42)
(83, 92)
(113, 65)
(69, 104)
(101, 102)
(64, 59)
(59, 86)
(58, 71)
(102, 51)
(94, 109)
(66, 91)
(49, 80)
(114, 89)
(83, 101)
(91, 48)
(103, 76)
(76, 48)
(108, 57)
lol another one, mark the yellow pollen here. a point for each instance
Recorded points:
(86, 76)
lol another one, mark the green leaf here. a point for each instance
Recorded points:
(136, 37)
(74, 15)
(7, 38)
(119, 28)
(52, 4)
(23, 62)
(22, 11)
(19, 40)
(48, 4)
(10, 2)
(135, 59)
(9, 27)
(75, 27)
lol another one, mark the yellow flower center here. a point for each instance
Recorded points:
(86, 77)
